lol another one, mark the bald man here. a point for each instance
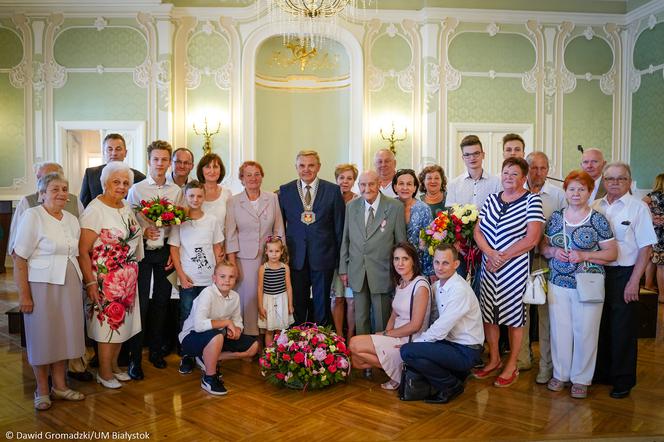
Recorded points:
(386, 166)
(374, 223)
(592, 162)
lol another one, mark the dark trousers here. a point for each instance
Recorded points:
(445, 364)
(618, 333)
(307, 282)
(151, 268)
(187, 297)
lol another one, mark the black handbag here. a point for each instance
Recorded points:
(413, 386)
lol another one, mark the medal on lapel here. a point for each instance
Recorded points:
(308, 217)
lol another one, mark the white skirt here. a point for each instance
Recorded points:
(276, 307)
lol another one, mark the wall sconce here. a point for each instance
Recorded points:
(207, 135)
(393, 138)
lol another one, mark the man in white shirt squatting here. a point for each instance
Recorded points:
(213, 330)
(445, 353)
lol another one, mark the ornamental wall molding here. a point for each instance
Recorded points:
(607, 82)
(20, 75)
(432, 78)
(452, 77)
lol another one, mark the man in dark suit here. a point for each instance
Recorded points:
(313, 211)
(115, 149)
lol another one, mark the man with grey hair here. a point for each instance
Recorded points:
(313, 213)
(77, 367)
(593, 162)
(182, 162)
(386, 166)
(632, 226)
(553, 198)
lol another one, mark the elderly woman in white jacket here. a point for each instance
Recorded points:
(48, 279)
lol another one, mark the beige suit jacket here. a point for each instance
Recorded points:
(247, 229)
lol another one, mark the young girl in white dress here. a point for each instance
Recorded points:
(275, 293)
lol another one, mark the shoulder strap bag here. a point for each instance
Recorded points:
(589, 286)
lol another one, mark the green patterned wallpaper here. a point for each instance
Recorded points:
(587, 120)
(109, 96)
(648, 129)
(391, 53)
(110, 47)
(583, 55)
(482, 100)
(387, 104)
(314, 120)
(11, 49)
(208, 99)
(12, 132)
(210, 51)
(649, 49)
(479, 52)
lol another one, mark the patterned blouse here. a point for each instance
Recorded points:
(420, 218)
(657, 208)
(586, 235)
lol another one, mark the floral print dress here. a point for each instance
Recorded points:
(115, 255)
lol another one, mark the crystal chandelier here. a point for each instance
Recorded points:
(312, 8)
(311, 21)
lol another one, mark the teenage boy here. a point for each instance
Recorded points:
(213, 330)
(195, 250)
(446, 352)
(156, 263)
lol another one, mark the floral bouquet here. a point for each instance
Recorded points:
(306, 356)
(162, 213)
(454, 227)
(116, 270)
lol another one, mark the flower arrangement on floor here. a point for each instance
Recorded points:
(454, 227)
(162, 213)
(306, 357)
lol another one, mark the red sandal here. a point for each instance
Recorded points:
(483, 373)
(503, 382)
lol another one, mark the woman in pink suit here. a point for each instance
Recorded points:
(251, 217)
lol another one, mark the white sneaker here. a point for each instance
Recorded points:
(113, 383)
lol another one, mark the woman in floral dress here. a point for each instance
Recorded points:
(110, 246)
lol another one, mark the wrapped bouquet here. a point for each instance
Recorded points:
(161, 212)
(306, 357)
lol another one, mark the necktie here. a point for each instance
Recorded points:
(370, 218)
(307, 196)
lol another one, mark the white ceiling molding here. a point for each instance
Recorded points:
(643, 11)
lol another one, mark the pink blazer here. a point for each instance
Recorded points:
(247, 229)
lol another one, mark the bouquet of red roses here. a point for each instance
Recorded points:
(306, 356)
(161, 211)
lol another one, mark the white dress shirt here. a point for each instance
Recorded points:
(212, 305)
(148, 189)
(459, 316)
(631, 224)
(313, 190)
(375, 208)
(553, 198)
(48, 244)
(388, 190)
(465, 190)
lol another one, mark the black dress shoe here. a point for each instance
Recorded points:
(443, 397)
(619, 394)
(135, 371)
(81, 376)
(158, 361)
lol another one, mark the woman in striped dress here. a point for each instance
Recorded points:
(510, 226)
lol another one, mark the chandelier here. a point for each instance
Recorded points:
(312, 8)
(311, 21)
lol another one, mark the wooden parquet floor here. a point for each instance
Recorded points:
(168, 405)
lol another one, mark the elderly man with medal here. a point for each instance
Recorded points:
(313, 211)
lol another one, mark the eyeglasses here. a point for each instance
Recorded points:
(620, 179)
(472, 154)
(183, 163)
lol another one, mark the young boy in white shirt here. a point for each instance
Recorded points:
(196, 247)
(213, 330)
